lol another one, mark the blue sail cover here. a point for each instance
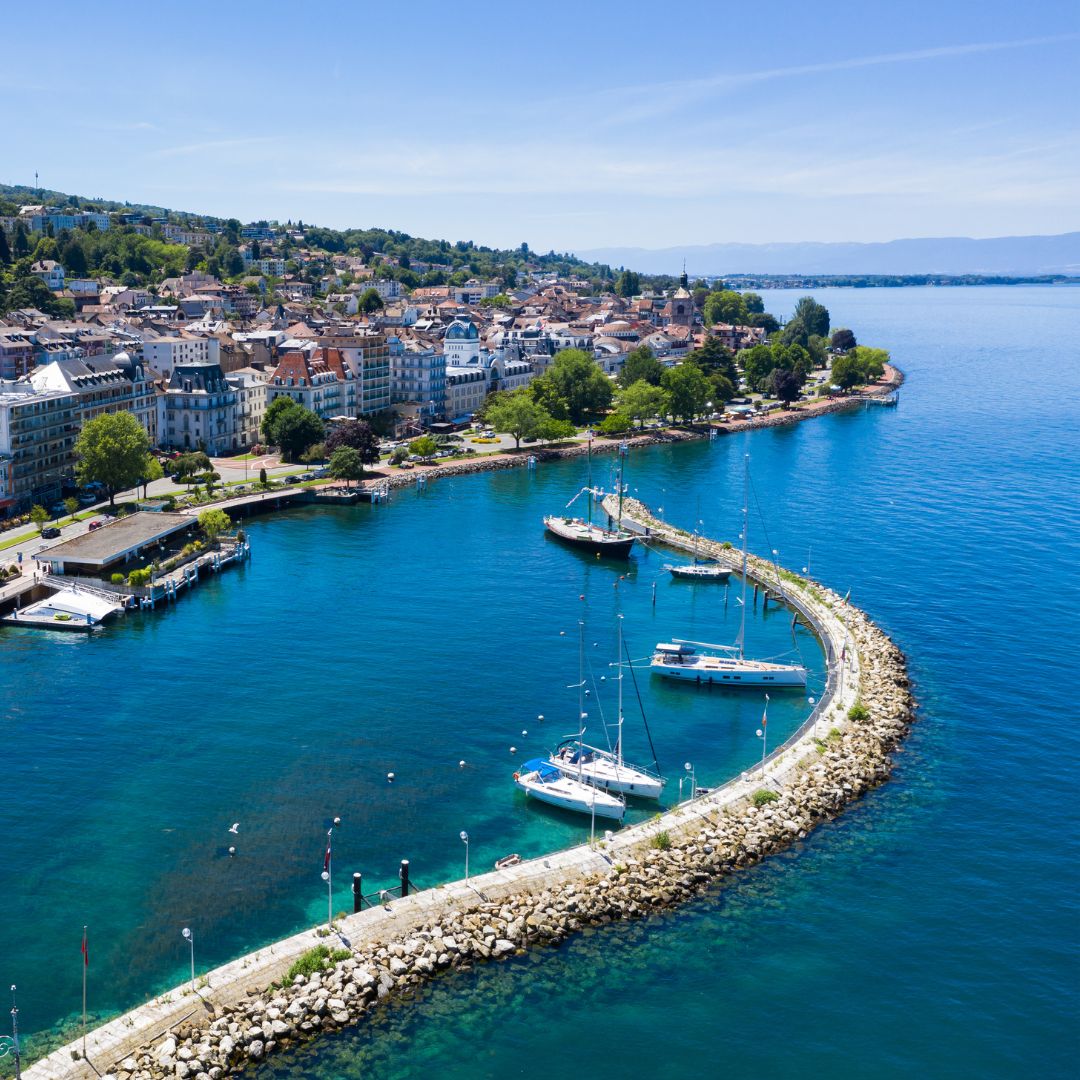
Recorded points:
(544, 769)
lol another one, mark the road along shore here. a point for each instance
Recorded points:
(248, 1009)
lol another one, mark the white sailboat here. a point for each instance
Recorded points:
(725, 665)
(606, 769)
(543, 778)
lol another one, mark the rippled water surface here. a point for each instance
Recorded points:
(933, 929)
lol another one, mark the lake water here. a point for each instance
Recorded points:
(933, 928)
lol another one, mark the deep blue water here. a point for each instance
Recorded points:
(932, 929)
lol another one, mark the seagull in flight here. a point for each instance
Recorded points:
(234, 828)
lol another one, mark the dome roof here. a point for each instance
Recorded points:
(461, 331)
(122, 358)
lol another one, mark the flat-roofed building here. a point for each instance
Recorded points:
(37, 435)
(140, 535)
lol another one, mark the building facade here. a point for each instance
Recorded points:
(37, 436)
(198, 410)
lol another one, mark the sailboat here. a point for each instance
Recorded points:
(606, 768)
(583, 532)
(725, 665)
(543, 778)
(700, 569)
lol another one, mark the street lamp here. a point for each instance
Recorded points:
(190, 938)
(465, 840)
(327, 874)
(9, 1044)
(762, 734)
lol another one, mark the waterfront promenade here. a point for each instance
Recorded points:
(226, 1021)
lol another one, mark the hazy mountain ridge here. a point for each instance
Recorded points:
(1008, 255)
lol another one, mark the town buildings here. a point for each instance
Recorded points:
(38, 429)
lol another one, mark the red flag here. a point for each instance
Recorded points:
(765, 714)
(326, 861)
(84, 950)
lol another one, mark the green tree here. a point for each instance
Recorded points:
(5, 250)
(573, 388)
(152, 471)
(795, 332)
(39, 515)
(616, 423)
(757, 364)
(190, 464)
(370, 301)
(642, 401)
(554, 430)
(21, 241)
(768, 322)
(297, 429)
(727, 306)
(628, 284)
(640, 363)
(274, 412)
(754, 304)
(346, 464)
(846, 371)
(871, 362)
(213, 523)
(71, 505)
(715, 359)
(688, 390)
(424, 447)
(112, 450)
(815, 317)
(518, 414)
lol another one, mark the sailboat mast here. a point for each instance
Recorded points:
(745, 531)
(622, 459)
(581, 692)
(618, 657)
(589, 475)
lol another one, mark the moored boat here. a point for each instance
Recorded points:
(722, 666)
(584, 532)
(541, 780)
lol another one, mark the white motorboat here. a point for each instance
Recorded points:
(725, 665)
(541, 780)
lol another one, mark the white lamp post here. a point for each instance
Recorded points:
(465, 840)
(328, 875)
(9, 1044)
(693, 779)
(190, 938)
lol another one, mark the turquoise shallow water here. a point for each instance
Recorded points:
(933, 928)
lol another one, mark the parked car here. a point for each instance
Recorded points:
(96, 524)
(50, 534)
(58, 510)
(87, 498)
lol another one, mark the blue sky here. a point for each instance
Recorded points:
(566, 125)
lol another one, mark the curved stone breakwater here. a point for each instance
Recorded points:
(247, 1010)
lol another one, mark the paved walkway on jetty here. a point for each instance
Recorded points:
(113, 1048)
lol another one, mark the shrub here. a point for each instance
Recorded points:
(140, 577)
(763, 796)
(661, 841)
(315, 960)
(117, 579)
(858, 712)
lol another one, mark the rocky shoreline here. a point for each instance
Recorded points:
(635, 872)
(516, 460)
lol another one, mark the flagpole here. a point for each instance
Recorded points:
(86, 964)
(764, 735)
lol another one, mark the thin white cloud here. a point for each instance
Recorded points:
(216, 146)
(656, 99)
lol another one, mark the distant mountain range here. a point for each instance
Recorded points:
(1004, 255)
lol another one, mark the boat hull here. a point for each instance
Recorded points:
(627, 782)
(602, 805)
(735, 674)
(700, 573)
(592, 538)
